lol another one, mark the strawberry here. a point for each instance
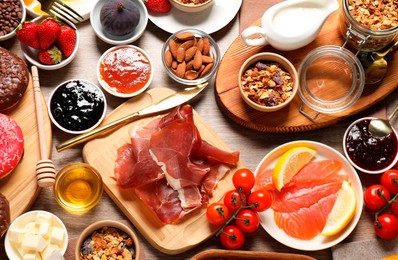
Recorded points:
(48, 32)
(27, 34)
(50, 56)
(66, 40)
(158, 6)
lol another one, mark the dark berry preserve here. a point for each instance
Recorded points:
(77, 105)
(367, 151)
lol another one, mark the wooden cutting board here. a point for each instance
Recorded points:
(101, 154)
(289, 119)
(20, 187)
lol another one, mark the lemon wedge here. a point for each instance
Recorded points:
(289, 165)
(342, 211)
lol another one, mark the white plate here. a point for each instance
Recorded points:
(83, 7)
(319, 242)
(210, 20)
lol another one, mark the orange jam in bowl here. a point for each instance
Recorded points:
(125, 71)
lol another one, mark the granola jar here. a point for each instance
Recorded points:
(375, 29)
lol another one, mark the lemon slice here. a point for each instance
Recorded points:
(289, 164)
(342, 211)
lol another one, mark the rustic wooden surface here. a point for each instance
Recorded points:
(253, 145)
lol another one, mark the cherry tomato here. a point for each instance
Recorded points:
(376, 196)
(233, 200)
(389, 179)
(247, 220)
(387, 226)
(232, 237)
(394, 207)
(261, 200)
(243, 179)
(217, 213)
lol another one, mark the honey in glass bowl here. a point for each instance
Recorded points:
(78, 187)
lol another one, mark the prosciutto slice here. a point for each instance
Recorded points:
(170, 167)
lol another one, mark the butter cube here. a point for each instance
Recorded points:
(31, 256)
(32, 228)
(42, 217)
(16, 235)
(44, 229)
(33, 242)
(52, 252)
(57, 235)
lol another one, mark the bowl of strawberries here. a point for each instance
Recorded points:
(48, 43)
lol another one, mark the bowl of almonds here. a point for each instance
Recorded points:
(190, 56)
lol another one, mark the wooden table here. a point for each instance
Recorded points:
(252, 145)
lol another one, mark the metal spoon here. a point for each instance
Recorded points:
(382, 127)
(374, 63)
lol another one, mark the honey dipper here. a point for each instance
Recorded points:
(45, 170)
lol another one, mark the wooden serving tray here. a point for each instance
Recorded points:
(215, 254)
(289, 119)
(101, 154)
(20, 187)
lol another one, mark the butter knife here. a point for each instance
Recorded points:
(169, 102)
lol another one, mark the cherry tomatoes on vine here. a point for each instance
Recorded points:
(387, 226)
(247, 220)
(389, 179)
(217, 213)
(260, 200)
(232, 237)
(376, 196)
(233, 200)
(243, 179)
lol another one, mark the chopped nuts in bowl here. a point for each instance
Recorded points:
(191, 6)
(267, 81)
(190, 56)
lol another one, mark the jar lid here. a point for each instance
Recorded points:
(331, 79)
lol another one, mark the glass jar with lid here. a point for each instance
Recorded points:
(369, 25)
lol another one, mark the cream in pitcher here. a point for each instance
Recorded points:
(291, 24)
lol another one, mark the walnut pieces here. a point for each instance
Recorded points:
(375, 14)
(267, 83)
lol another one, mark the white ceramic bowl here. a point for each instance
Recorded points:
(30, 217)
(214, 54)
(113, 39)
(369, 147)
(108, 223)
(76, 105)
(13, 33)
(145, 66)
(268, 57)
(191, 8)
(31, 54)
(319, 242)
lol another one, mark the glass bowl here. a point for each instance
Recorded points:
(186, 75)
(331, 79)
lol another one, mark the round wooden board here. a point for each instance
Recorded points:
(20, 187)
(289, 119)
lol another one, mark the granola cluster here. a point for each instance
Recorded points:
(375, 14)
(195, 2)
(267, 84)
(108, 243)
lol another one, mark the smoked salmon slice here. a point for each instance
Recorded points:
(303, 205)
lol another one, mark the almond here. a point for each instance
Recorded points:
(185, 36)
(173, 47)
(191, 74)
(187, 44)
(180, 54)
(207, 69)
(189, 65)
(190, 53)
(174, 64)
(206, 46)
(181, 68)
(168, 58)
(200, 44)
(207, 59)
(197, 60)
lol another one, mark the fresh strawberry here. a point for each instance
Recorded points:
(66, 40)
(158, 6)
(50, 56)
(27, 34)
(48, 32)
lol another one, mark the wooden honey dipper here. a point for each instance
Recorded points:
(45, 170)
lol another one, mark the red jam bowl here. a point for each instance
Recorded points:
(367, 153)
(125, 71)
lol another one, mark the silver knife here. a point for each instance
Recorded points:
(164, 104)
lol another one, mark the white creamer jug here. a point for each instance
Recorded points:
(291, 24)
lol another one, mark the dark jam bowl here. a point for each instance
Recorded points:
(367, 153)
(77, 106)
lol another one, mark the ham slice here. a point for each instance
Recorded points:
(170, 167)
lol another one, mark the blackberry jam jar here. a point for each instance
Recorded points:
(368, 153)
